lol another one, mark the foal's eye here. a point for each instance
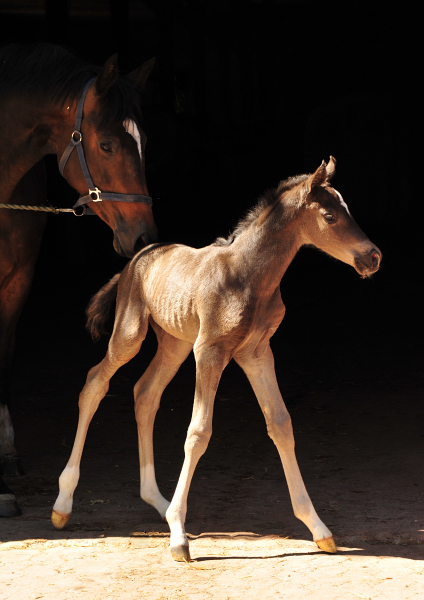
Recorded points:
(106, 146)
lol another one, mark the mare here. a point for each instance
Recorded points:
(51, 103)
(222, 301)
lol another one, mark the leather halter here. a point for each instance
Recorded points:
(94, 194)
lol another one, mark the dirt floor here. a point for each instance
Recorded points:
(357, 407)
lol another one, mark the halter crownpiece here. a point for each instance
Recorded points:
(94, 194)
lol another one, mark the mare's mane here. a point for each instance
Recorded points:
(55, 73)
(270, 198)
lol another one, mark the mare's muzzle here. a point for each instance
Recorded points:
(126, 246)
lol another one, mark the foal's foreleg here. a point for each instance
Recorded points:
(261, 374)
(147, 394)
(210, 362)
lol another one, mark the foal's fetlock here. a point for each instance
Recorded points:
(160, 503)
(324, 539)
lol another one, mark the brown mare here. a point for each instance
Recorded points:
(51, 103)
(222, 301)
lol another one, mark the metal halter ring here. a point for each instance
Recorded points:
(76, 140)
(95, 194)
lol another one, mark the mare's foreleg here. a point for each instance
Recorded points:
(210, 362)
(121, 349)
(147, 394)
(261, 374)
(20, 239)
(15, 283)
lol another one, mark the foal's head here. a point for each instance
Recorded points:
(328, 224)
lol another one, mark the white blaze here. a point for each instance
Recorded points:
(342, 202)
(132, 129)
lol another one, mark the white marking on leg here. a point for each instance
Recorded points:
(67, 483)
(342, 202)
(149, 490)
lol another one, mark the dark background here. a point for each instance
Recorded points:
(244, 94)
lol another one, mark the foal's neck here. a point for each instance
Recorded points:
(266, 248)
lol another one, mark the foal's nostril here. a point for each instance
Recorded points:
(375, 258)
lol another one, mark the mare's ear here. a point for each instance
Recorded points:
(107, 76)
(139, 76)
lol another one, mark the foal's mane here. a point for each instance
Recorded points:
(58, 75)
(270, 198)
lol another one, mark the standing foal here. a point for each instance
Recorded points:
(222, 302)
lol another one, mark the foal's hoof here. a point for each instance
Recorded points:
(59, 519)
(327, 544)
(181, 553)
(8, 506)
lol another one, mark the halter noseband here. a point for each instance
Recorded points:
(94, 194)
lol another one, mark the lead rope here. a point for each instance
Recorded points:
(48, 209)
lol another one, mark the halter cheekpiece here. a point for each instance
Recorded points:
(94, 194)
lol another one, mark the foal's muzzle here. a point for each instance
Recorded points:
(367, 264)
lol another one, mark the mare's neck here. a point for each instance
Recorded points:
(28, 131)
(265, 250)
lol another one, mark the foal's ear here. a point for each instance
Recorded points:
(107, 76)
(319, 177)
(324, 173)
(139, 76)
(331, 168)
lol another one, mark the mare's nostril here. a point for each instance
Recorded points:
(139, 244)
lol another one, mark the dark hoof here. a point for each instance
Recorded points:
(8, 506)
(11, 466)
(181, 553)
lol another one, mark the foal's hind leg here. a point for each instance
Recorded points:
(147, 394)
(121, 349)
(261, 373)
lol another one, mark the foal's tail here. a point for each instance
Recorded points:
(99, 308)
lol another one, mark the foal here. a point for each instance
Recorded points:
(222, 302)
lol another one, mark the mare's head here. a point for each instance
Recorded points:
(113, 145)
(328, 224)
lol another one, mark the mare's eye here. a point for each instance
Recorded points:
(106, 146)
(329, 217)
